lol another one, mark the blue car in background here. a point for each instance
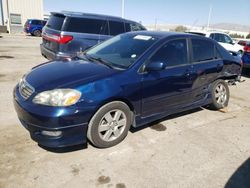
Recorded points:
(246, 56)
(34, 27)
(129, 80)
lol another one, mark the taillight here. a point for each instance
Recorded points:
(246, 48)
(28, 26)
(61, 39)
(241, 63)
(65, 39)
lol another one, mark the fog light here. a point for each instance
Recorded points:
(51, 133)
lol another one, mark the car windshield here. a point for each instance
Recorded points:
(121, 51)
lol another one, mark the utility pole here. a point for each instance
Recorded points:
(155, 23)
(209, 16)
(123, 7)
(1, 7)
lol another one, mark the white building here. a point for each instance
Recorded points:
(14, 13)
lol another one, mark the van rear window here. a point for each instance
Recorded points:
(55, 21)
(86, 25)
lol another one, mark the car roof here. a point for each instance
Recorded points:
(206, 32)
(166, 34)
(91, 15)
(35, 20)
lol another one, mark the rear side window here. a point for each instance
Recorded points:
(203, 50)
(55, 21)
(133, 27)
(36, 22)
(86, 25)
(173, 53)
(116, 28)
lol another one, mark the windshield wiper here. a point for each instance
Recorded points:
(108, 64)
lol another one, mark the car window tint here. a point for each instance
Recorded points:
(127, 27)
(116, 28)
(133, 27)
(36, 22)
(217, 53)
(85, 25)
(219, 38)
(227, 39)
(55, 21)
(173, 53)
(136, 27)
(212, 36)
(203, 50)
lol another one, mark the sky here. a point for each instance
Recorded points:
(189, 12)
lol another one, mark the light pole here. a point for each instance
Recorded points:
(123, 6)
(209, 16)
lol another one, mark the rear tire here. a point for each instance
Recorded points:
(220, 95)
(110, 125)
(37, 33)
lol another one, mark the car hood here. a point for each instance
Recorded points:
(62, 74)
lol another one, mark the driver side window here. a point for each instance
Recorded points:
(173, 53)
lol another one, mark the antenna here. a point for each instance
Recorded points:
(209, 16)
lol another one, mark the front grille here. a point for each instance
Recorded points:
(25, 89)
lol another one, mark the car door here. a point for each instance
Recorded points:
(171, 87)
(207, 65)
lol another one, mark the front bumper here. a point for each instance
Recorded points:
(73, 132)
(50, 55)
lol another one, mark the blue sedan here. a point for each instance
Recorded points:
(129, 80)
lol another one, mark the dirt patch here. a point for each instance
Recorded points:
(75, 170)
(6, 57)
(158, 127)
(103, 179)
(120, 185)
(10, 77)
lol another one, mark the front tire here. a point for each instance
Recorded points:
(110, 125)
(220, 95)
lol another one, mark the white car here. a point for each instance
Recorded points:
(223, 39)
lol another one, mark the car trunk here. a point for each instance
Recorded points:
(51, 31)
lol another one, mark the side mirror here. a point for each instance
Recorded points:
(155, 66)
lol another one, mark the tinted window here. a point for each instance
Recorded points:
(222, 38)
(84, 25)
(202, 50)
(116, 28)
(133, 27)
(227, 39)
(212, 36)
(36, 22)
(173, 53)
(55, 21)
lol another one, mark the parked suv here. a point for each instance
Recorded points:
(67, 33)
(223, 39)
(34, 27)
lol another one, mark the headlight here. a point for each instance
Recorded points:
(57, 97)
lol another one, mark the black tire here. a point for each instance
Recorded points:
(100, 139)
(37, 33)
(220, 99)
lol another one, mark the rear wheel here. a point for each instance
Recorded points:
(110, 125)
(220, 94)
(37, 33)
